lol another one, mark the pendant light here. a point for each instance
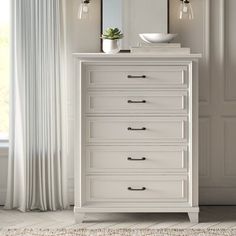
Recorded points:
(83, 12)
(185, 10)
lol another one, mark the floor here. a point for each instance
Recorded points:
(211, 217)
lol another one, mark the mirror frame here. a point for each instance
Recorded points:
(126, 51)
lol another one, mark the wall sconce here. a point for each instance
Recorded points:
(83, 12)
(185, 10)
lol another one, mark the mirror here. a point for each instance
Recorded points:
(134, 17)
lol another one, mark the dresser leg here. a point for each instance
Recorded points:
(79, 217)
(193, 217)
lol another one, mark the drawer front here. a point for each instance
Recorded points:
(107, 76)
(137, 102)
(136, 129)
(131, 159)
(136, 188)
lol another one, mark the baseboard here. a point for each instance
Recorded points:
(71, 196)
(3, 193)
(217, 196)
(3, 174)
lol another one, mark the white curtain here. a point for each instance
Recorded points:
(38, 137)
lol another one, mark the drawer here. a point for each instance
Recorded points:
(131, 159)
(137, 102)
(136, 129)
(108, 76)
(136, 188)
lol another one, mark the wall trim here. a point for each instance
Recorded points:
(206, 49)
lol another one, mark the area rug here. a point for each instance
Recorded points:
(119, 232)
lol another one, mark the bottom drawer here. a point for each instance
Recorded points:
(136, 188)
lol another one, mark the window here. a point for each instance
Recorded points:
(4, 68)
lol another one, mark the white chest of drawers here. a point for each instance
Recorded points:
(136, 143)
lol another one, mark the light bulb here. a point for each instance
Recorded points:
(185, 10)
(84, 10)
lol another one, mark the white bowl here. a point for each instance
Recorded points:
(157, 37)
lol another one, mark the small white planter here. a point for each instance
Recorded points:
(110, 46)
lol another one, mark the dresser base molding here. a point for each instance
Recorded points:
(83, 214)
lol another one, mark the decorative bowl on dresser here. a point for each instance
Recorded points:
(136, 144)
(157, 37)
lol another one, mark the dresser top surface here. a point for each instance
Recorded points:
(137, 56)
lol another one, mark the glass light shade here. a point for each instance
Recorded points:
(83, 10)
(186, 10)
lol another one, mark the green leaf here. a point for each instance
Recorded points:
(112, 33)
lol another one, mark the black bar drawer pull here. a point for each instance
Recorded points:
(131, 101)
(136, 189)
(134, 159)
(132, 129)
(137, 76)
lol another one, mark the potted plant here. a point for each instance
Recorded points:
(111, 38)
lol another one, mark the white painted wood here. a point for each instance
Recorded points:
(132, 159)
(123, 189)
(104, 131)
(145, 102)
(116, 75)
(133, 208)
(193, 217)
(145, 57)
(158, 129)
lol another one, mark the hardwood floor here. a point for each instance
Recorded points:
(210, 217)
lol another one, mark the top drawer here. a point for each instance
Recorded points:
(109, 76)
